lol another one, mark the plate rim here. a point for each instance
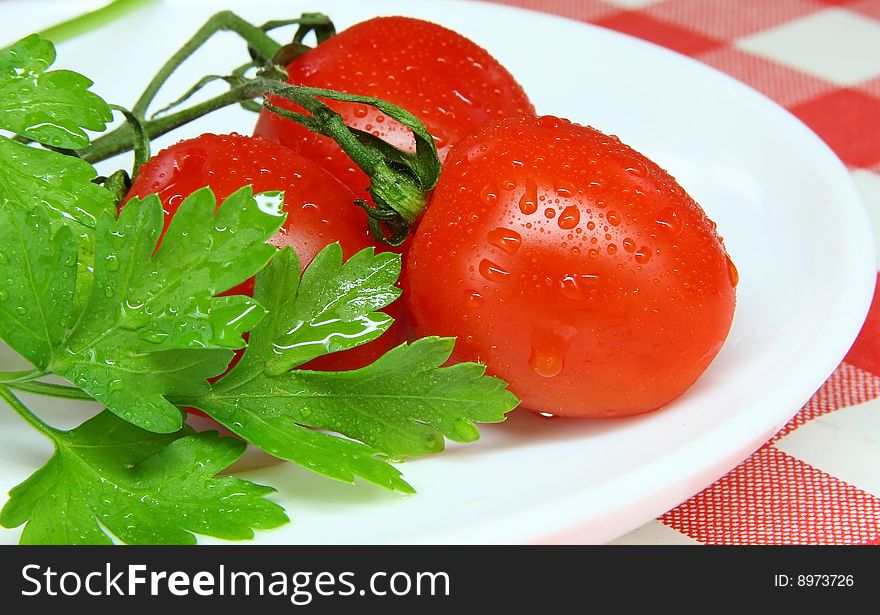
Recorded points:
(861, 279)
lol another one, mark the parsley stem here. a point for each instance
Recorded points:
(51, 390)
(24, 412)
(92, 20)
(63, 391)
(13, 377)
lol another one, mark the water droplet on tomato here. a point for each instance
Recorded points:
(578, 287)
(506, 239)
(613, 217)
(528, 204)
(550, 213)
(473, 299)
(636, 167)
(564, 191)
(493, 272)
(612, 249)
(489, 195)
(469, 101)
(546, 362)
(548, 121)
(270, 202)
(360, 111)
(570, 288)
(732, 273)
(643, 255)
(570, 217)
(174, 202)
(629, 245)
(669, 220)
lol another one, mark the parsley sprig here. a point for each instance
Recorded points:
(145, 321)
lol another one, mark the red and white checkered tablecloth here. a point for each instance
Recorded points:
(818, 480)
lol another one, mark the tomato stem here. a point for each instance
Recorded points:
(140, 139)
(399, 180)
(119, 140)
(263, 45)
(318, 23)
(263, 48)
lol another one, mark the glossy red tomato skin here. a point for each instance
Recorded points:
(319, 207)
(449, 82)
(574, 267)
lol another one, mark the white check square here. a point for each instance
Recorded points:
(841, 46)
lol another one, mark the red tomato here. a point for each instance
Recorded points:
(574, 267)
(450, 83)
(319, 207)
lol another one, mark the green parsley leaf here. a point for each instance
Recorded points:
(109, 478)
(50, 107)
(144, 301)
(62, 185)
(334, 308)
(53, 108)
(300, 312)
(151, 326)
(37, 270)
(403, 405)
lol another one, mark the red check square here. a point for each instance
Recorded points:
(848, 121)
(774, 498)
(868, 8)
(865, 353)
(850, 384)
(659, 32)
(783, 84)
(870, 87)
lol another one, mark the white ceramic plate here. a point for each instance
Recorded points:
(792, 220)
